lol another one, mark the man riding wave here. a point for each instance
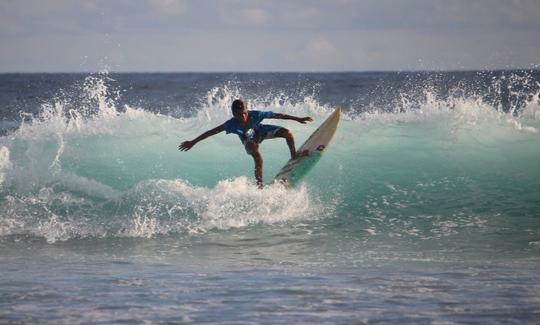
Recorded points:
(247, 125)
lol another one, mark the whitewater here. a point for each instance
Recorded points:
(425, 208)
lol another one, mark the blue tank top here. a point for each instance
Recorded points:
(255, 119)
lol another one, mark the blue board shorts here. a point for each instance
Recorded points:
(264, 132)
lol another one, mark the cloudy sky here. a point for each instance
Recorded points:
(278, 35)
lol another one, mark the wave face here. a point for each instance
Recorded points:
(441, 159)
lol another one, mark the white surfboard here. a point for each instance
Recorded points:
(295, 169)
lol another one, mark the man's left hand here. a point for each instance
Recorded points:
(303, 120)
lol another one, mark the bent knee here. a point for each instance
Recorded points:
(284, 133)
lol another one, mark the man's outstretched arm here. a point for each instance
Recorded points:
(186, 145)
(302, 120)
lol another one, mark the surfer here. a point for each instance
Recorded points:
(247, 125)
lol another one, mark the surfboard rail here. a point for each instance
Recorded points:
(295, 169)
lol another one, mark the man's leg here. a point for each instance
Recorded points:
(285, 133)
(252, 148)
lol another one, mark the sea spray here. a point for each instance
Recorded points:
(428, 166)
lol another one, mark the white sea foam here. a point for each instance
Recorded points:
(5, 164)
(155, 207)
(164, 206)
(217, 107)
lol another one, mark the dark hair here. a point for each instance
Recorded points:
(238, 105)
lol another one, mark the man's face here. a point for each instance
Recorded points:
(241, 115)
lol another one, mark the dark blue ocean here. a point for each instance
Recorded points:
(425, 208)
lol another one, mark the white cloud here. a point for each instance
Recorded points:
(169, 7)
(320, 48)
(242, 16)
(256, 16)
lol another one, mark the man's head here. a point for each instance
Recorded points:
(239, 110)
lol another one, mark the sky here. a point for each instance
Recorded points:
(277, 35)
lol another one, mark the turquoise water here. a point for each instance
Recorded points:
(420, 212)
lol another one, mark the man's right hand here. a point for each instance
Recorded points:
(186, 145)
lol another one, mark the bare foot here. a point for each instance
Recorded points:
(300, 154)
